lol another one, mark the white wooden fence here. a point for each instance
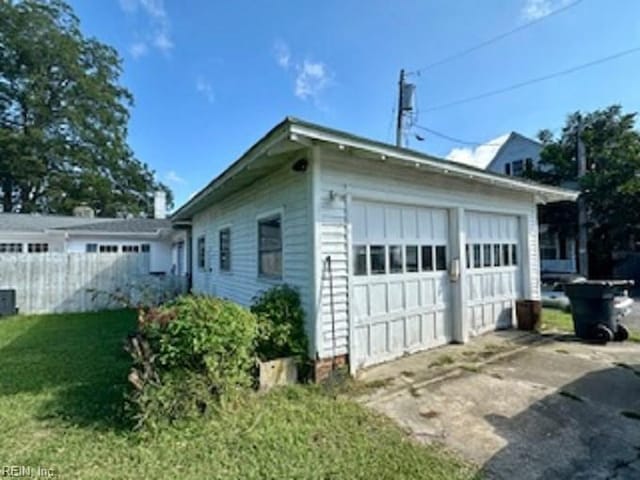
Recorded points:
(79, 282)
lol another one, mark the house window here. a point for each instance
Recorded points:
(507, 168)
(548, 250)
(270, 247)
(528, 165)
(91, 247)
(145, 248)
(506, 258)
(10, 248)
(467, 255)
(517, 168)
(108, 248)
(411, 258)
(201, 249)
(38, 248)
(476, 255)
(225, 249)
(395, 259)
(441, 257)
(130, 248)
(360, 260)
(496, 255)
(427, 258)
(377, 259)
(486, 255)
(514, 254)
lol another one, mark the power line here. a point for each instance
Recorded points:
(497, 38)
(533, 80)
(454, 139)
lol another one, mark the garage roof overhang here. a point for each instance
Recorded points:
(292, 135)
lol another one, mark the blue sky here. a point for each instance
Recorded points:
(210, 77)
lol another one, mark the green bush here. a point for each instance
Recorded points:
(189, 356)
(280, 324)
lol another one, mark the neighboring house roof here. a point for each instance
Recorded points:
(292, 134)
(21, 222)
(484, 155)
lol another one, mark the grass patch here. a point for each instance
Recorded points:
(61, 388)
(442, 360)
(553, 319)
(631, 414)
(570, 395)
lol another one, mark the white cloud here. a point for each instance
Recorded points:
(138, 49)
(479, 156)
(172, 177)
(158, 32)
(535, 9)
(311, 80)
(282, 54)
(204, 87)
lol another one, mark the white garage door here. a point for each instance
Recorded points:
(400, 282)
(494, 272)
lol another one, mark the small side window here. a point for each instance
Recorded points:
(486, 255)
(411, 258)
(395, 259)
(476, 255)
(201, 253)
(359, 260)
(225, 249)
(427, 258)
(377, 260)
(467, 255)
(441, 257)
(506, 259)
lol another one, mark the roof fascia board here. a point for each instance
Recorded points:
(436, 165)
(262, 147)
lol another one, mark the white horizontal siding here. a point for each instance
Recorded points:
(284, 191)
(381, 181)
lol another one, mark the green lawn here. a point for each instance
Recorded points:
(553, 319)
(62, 379)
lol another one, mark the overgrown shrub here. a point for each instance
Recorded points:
(189, 356)
(280, 324)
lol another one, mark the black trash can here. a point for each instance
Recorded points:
(592, 309)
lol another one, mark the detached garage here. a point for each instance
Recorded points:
(393, 251)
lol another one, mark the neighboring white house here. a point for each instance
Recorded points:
(513, 154)
(393, 251)
(84, 233)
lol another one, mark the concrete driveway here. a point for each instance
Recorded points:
(541, 408)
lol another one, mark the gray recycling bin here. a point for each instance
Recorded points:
(592, 309)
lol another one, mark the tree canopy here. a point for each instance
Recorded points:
(611, 185)
(64, 117)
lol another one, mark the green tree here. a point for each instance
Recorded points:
(63, 118)
(611, 185)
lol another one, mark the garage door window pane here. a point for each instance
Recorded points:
(496, 255)
(441, 257)
(514, 255)
(412, 258)
(427, 258)
(476, 255)
(395, 258)
(360, 260)
(486, 252)
(506, 260)
(377, 260)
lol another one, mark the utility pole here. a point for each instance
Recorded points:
(400, 116)
(583, 255)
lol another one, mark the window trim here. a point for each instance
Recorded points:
(221, 229)
(267, 215)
